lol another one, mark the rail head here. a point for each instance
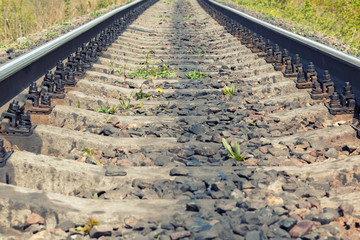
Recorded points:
(17, 74)
(343, 67)
(295, 37)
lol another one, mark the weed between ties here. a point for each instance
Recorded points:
(196, 75)
(228, 91)
(233, 153)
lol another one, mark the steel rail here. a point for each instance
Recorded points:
(16, 75)
(344, 67)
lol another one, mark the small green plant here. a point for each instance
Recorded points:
(153, 72)
(125, 103)
(165, 72)
(96, 14)
(161, 16)
(187, 16)
(199, 53)
(106, 109)
(168, 2)
(78, 104)
(124, 72)
(163, 107)
(87, 226)
(228, 91)
(141, 95)
(88, 152)
(95, 196)
(196, 75)
(147, 58)
(115, 69)
(233, 153)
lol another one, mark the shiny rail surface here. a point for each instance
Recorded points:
(16, 75)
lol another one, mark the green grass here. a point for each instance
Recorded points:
(141, 95)
(153, 72)
(106, 109)
(229, 91)
(19, 18)
(161, 16)
(196, 75)
(336, 18)
(233, 153)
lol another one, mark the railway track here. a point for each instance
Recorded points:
(135, 150)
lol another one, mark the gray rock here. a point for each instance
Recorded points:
(253, 235)
(216, 139)
(278, 152)
(275, 231)
(90, 160)
(287, 223)
(100, 230)
(197, 129)
(206, 235)
(183, 139)
(177, 220)
(192, 207)
(167, 226)
(241, 229)
(179, 171)
(164, 237)
(110, 130)
(267, 216)
(35, 228)
(251, 218)
(205, 151)
(114, 171)
(289, 187)
(255, 204)
(331, 153)
(308, 158)
(197, 225)
(193, 163)
(66, 225)
(245, 173)
(280, 211)
(324, 218)
(346, 208)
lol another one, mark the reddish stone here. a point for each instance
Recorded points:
(313, 153)
(180, 235)
(352, 234)
(251, 161)
(263, 149)
(335, 183)
(232, 109)
(124, 163)
(146, 162)
(301, 229)
(34, 219)
(256, 117)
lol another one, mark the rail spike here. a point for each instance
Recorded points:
(307, 79)
(343, 104)
(40, 100)
(16, 121)
(323, 91)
